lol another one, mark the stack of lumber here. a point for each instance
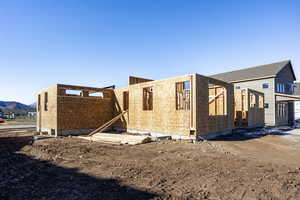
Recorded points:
(118, 138)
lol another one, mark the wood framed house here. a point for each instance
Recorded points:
(189, 106)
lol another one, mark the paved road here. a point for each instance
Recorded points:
(17, 126)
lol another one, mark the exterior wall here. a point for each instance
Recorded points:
(206, 124)
(47, 120)
(270, 112)
(73, 114)
(83, 112)
(297, 110)
(164, 118)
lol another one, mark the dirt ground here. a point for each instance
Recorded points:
(264, 167)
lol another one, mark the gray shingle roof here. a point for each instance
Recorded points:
(252, 73)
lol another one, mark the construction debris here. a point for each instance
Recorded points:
(117, 138)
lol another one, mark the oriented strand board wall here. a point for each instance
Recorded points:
(83, 112)
(47, 119)
(164, 118)
(212, 124)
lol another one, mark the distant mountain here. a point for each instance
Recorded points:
(32, 105)
(16, 107)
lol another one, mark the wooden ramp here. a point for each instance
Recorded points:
(107, 124)
(111, 138)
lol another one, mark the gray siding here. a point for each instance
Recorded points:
(269, 96)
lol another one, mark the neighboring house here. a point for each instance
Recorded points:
(31, 114)
(9, 116)
(276, 81)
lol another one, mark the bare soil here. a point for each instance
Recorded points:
(266, 167)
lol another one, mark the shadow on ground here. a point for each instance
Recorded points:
(243, 135)
(24, 177)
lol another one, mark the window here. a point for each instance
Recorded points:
(39, 103)
(125, 100)
(238, 87)
(290, 88)
(147, 98)
(183, 95)
(252, 100)
(281, 87)
(281, 109)
(266, 105)
(265, 85)
(261, 101)
(46, 101)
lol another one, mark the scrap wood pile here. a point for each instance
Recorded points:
(118, 138)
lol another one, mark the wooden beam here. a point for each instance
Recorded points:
(107, 124)
(215, 97)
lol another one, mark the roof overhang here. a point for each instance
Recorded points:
(253, 79)
(286, 97)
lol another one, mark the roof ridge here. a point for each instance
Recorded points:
(257, 66)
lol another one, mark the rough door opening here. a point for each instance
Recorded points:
(217, 100)
(46, 101)
(39, 103)
(125, 100)
(147, 98)
(183, 95)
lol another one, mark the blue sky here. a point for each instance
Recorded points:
(99, 43)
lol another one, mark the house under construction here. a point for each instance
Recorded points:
(189, 106)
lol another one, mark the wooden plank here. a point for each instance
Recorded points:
(118, 138)
(215, 97)
(107, 124)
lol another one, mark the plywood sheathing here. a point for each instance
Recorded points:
(75, 112)
(207, 124)
(163, 118)
(47, 119)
